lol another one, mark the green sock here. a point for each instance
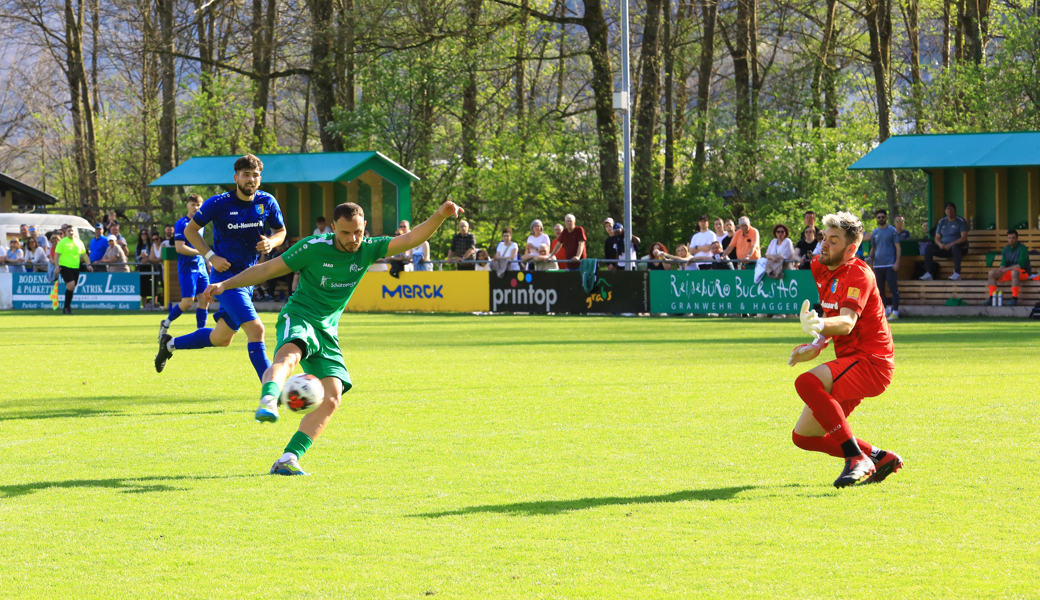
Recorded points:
(299, 444)
(270, 389)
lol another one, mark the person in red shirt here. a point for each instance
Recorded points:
(572, 239)
(854, 318)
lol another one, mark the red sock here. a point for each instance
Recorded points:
(824, 407)
(1014, 292)
(992, 290)
(827, 445)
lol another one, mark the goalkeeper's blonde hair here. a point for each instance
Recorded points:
(847, 222)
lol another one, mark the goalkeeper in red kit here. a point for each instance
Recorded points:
(854, 320)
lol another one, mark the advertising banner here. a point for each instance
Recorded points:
(5, 290)
(423, 291)
(121, 291)
(730, 292)
(562, 292)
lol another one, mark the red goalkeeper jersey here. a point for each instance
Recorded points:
(852, 286)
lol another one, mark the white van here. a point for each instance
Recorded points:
(10, 223)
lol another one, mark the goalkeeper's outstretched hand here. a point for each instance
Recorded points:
(812, 324)
(807, 352)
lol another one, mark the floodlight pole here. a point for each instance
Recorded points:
(626, 106)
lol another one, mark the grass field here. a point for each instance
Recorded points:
(513, 457)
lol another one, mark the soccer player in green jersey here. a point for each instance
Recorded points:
(330, 266)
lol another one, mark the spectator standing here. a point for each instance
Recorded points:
(484, 263)
(35, 257)
(114, 230)
(3, 257)
(805, 247)
(115, 257)
(658, 250)
(110, 220)
(885, 253)
(572, 239)
(536, 239)
(720, 231)
(608, 226)
(72, 255)
(463, 246)
(168, 241)
(41, 240)
(23, 233)
(900, 225)
(558, 254)
(719, 260)
(951, 240)
(507, 250)
(615, 249)
(421, 257)
(700, 242)
(15, 257)
(322, 227)
(780, 251)
(404, 226)
(98, 247)
(745, 241)
(682, 254)
(52, 268)
(1014, 267)
(810, 221)
(731, 231)
(400, 262)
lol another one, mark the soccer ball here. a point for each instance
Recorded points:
(303, 393)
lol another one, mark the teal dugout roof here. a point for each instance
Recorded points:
(954, 150)
(288, 168)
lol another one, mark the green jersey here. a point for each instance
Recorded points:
(328, 275)
(69, 250)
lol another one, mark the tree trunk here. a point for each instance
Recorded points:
(603, 92)
(911, 18)
(879, 26)
(821, 64)
(263, 48)
(323, 78)
(519, 67)
(306, 118)
(709, 16)
(95, 26)
(946, 34)
(974, 15)
(745, 61)
(669, 100)
(73, 62)
(469, 102)
(644, 179)
(349, 26)
(958, 39)
(168, 113)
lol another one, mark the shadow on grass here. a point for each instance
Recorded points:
(555, 507)
(74, 413)
(140, 485)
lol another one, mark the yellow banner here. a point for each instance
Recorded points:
(424, 291)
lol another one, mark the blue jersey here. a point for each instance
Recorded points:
(237, 227)
(187, 264)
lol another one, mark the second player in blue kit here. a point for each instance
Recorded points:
(192, 274)
(240, 221)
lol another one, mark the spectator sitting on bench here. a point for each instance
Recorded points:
(951, 239)
(901, 231)
(1014, 267)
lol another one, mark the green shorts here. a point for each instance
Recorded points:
(322, 357)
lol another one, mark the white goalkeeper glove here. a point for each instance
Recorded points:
(812, 324)
(807, 351)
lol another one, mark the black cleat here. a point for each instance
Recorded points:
(164, 353)
(856, 470)
(1012, 301)
(886, 464)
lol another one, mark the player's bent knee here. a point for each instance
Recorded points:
(333, 402)
(807, 381)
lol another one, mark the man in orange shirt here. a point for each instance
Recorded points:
(745, 240)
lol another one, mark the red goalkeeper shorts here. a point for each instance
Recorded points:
(856, 378)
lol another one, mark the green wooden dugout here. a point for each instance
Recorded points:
(308, 186)
(992, 178)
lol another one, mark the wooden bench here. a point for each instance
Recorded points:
(935, 293)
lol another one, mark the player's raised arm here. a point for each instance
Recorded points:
(424, 230)
(253, 275)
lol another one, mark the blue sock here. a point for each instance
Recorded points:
(194, 340)
(258, 356)
(201, 314)
(175, 311)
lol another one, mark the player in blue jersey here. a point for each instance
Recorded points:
(240, 221)
(191, 273)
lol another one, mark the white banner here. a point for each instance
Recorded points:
(5, 291)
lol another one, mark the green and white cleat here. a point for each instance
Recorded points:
(290, 466)
(268, 411)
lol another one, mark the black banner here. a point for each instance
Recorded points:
(562, 292)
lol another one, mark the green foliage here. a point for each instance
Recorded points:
(218, 121)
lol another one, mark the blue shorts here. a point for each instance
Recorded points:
(193, 284)
(236, 307)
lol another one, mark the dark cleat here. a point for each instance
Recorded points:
(1012, 301)
(886, 464)
(856, 470)
(164, 353)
